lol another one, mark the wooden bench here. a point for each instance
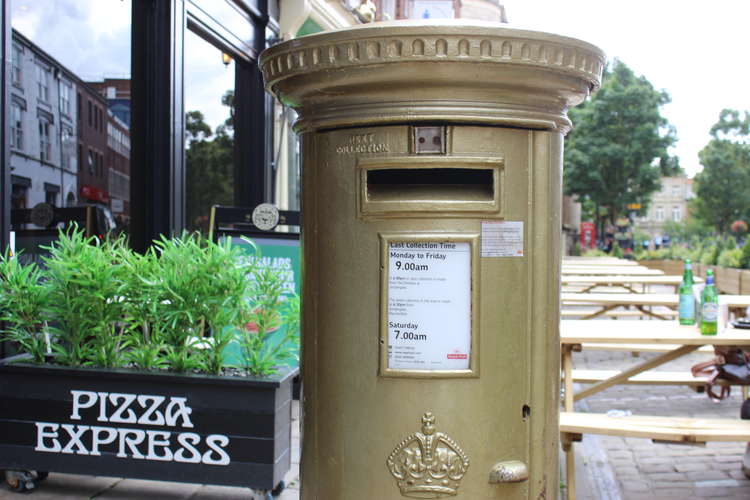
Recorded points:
(636, 348)
(651, 377)
(615, 313)
(669, 429)
(659, 429)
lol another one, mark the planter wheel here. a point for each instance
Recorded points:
(22, 481)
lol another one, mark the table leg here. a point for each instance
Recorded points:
(649, 312)
(625, 375)
(567, 362)
(601, 311)
(570, 467)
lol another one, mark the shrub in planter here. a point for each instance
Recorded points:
(745, 257)
(730, 258)
(710, 255)
(107, 334)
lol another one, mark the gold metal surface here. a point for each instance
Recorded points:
(426, 200)
(501, 95)
(428, 464)
(462, 70)
(510, 471)
(385, 240)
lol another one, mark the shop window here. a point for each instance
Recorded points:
(20, 191)
(209, 149)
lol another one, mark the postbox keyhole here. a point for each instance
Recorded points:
(429, 140)
(525, 412)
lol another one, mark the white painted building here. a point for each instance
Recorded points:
(670, 203)
(43, 155)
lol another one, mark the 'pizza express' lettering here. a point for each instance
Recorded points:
(128, 442)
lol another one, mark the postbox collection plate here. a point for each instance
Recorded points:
(428, 323)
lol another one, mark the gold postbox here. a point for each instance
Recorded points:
(432, 159)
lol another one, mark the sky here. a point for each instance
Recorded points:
(696, 51)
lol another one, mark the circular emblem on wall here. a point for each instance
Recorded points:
(265, 216)
(42, 214)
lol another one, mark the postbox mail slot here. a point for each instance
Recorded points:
(426, 185)
(422, 184)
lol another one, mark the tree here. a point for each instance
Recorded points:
(723, 186)
(209, 165)
(617, 151)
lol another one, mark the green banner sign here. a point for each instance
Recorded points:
(282, 254)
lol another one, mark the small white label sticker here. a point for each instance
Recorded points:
(502, 239)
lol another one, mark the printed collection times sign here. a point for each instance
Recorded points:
(429, 305)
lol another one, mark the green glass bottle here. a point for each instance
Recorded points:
(709, 306)
(686, 311)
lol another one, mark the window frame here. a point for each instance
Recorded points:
(65, 91)
(46, 132)
(16, 65)
(16, 126)
(42, 82)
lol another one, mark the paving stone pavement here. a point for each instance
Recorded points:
(646, 470)
(78, 487)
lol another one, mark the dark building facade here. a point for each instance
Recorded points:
(93, 178)
(117, 93)
(117, 163)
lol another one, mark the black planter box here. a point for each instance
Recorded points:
(230, 431)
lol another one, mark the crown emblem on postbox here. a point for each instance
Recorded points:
(428, 464)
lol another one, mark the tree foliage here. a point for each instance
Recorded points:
(723, 186)
(209, 164)
(617, 151)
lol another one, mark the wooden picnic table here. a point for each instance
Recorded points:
(644, 302)
(679, 340)
(598, 261)
(610, 271)
(627, 282)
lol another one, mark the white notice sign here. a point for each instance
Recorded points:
(502, 239)
(429, 305)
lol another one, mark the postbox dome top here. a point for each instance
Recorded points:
(435, 71)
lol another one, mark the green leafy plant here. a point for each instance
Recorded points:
(85, 291)
(177, 307)
(745, 257)
(730, 258)
(23, 304)
(267, 310)
(710, 255)
(595, 252)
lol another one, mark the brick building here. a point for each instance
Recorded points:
(93, 177)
